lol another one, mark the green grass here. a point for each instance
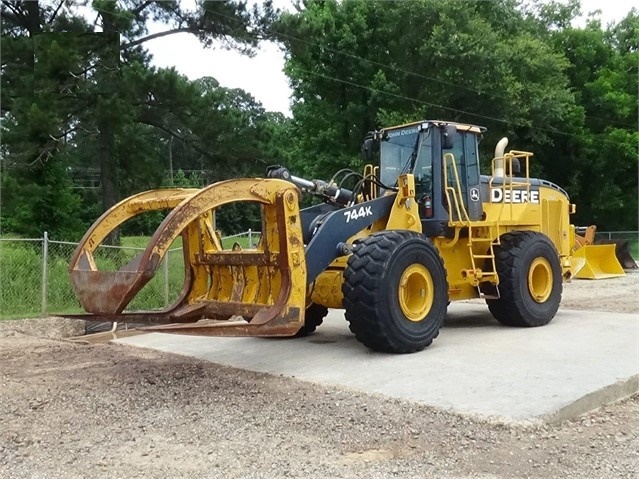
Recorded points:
(243, 241)
(20, 285)
(142, 242)
(21, 276)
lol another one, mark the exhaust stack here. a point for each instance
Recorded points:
(499, 157)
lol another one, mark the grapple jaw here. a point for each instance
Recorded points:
(264, 287)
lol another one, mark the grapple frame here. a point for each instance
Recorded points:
(264, 289)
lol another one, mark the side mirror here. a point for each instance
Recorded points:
(516, 166)
(367, 149)
(448, 137)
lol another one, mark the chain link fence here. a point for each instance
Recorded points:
(631, 236)
(34, 276)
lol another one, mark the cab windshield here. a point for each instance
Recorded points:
(396, 150)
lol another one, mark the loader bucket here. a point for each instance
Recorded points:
(596, 262)
(256, 292)
(622, 252)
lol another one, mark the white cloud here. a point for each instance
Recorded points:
(262, 76)
(611, 10)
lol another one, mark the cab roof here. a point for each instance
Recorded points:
(459, 126)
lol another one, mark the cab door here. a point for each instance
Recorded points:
(466, 157)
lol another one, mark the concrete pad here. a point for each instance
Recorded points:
(577, 363)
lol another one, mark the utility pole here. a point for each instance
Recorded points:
(171, 160)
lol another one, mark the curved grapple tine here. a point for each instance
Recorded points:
(266, 285)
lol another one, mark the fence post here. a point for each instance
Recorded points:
(250, 241)
(45, 257)
(166, 278)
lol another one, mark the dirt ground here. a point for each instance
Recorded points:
(614, 294)
(70, 410)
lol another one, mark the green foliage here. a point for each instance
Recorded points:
(81, 97)
(599, 167)
(40, 199)
(77, 98)
(568, 94)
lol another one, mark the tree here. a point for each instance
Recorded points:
(568, 94)
(229, 21)
(95, 98)
(451, 61)
(601, 172)
(38, 86)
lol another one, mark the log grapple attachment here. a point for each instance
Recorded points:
(257, 292)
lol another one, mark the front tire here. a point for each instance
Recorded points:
(395, 292)
(530, 283)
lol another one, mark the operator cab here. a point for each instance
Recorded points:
(438, 154)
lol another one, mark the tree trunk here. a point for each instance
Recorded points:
(33, 18)
(107, 127)
(107, 177)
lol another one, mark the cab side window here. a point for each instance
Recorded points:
(466, 160)
(458, 152)
(472, 158)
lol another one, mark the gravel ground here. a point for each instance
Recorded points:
(71, 410)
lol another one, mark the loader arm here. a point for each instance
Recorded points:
(329, 240)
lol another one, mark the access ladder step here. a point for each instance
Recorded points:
(488, 291)
(488, 296)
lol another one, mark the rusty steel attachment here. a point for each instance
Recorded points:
(254, 292)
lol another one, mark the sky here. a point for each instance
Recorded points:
(263, 75)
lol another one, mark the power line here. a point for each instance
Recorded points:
(414, 100)
(457, 110)
(407, 72)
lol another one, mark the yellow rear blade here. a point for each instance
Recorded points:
(596, 262)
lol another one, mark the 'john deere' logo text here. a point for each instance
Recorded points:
(497, 195)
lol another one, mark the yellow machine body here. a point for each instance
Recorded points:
(469, 256)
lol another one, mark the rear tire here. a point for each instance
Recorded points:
(313, 317)
(395, 292)
(530, 283)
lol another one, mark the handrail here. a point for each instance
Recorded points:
(507, 181)
(370, 170)
(457, 195)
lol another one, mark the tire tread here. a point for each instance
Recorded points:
(361, 295)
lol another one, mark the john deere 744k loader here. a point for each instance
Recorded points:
(420, 230)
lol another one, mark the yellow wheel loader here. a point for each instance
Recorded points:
(420, 229)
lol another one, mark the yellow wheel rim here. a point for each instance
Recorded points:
(416, 292)
(540, 280)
